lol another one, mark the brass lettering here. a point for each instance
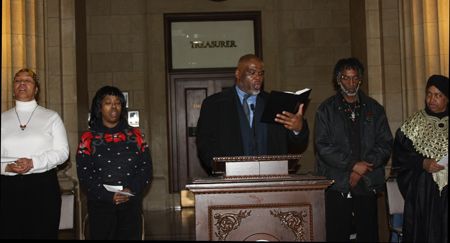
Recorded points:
(213, 44)
(196, 44)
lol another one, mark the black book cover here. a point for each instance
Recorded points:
(283, 101)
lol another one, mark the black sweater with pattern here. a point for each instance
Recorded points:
(113, 156)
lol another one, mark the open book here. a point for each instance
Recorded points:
(283, 101)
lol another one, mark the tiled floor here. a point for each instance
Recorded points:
(179, 225)
(170, 225)
(162, 225)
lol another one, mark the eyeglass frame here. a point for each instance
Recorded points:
(355, 78)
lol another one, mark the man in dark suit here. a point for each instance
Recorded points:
(229, 122)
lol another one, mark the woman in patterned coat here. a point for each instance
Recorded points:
(420, 143)
(113, 153)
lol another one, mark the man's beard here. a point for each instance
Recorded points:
(347, 93)
(250, 92)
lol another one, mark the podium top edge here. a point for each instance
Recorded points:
(257, 158)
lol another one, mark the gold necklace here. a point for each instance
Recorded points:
(24, 126)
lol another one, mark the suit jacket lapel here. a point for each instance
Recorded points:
(230, 115)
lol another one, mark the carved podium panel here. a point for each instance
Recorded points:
(265, 207)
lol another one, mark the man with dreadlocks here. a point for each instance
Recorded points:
(353, 142)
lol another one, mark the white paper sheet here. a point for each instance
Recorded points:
(117, 189)
(9, 160)
(444, 161)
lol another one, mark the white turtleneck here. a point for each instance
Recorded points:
(44, 139)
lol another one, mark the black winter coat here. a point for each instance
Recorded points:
(333, 152)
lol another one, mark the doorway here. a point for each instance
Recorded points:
(187, 93)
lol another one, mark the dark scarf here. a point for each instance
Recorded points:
(438, 115)
(440, 82)
(99, 127)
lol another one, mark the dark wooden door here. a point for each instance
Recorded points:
(186, 95)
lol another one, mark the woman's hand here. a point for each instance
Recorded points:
(121, 198)
(432, 166)
(21, 166)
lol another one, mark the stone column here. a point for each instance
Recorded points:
(23, 44)
(40, 35)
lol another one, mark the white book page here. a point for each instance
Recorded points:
(297, 92)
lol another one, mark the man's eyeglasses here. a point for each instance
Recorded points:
(347, 78)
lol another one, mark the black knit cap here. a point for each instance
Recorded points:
(440, 82)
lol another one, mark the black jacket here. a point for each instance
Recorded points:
(331, 136)
(219, 134)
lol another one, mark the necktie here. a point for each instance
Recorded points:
(245, 106)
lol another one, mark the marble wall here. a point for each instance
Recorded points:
(122, 44)
(124, 47)
(301, 39)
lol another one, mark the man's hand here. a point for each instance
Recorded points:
(363, 168)
(354, 179)
(432, 166)
(293, 122)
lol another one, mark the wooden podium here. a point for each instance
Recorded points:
(248, 202)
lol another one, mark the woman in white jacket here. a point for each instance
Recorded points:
(33, 143)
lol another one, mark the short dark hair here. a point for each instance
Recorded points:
(35, 78)
(345, 63)
(97, 103)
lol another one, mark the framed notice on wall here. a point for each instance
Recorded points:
(211, 40)
(125, 95)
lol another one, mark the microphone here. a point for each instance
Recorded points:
(252, 106)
